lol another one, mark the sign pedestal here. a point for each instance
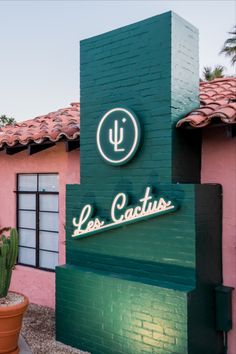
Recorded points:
(145, 285)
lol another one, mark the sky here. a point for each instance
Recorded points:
(39, 44)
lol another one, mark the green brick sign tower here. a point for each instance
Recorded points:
(143, 238)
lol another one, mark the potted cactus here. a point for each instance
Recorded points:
(12, 305)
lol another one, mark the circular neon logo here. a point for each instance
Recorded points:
(118, 136)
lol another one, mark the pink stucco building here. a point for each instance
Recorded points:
(38, 158)
(219, 166)
(217, 116)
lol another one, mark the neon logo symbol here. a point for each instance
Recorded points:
(118, 136)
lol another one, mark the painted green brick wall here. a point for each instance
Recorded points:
(163, 245)
(151, 66)
(108, 315)
(184, 246)
(146, 287)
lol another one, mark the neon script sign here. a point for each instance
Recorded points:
(121, 213)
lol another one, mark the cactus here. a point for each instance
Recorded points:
(8, 256)
(116, 137)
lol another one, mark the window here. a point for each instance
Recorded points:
(37, 220)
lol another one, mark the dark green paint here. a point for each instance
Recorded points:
(108, 315)
(146, 287)
(224, 308)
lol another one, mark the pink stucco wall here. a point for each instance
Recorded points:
(38, 285)
(219, 166)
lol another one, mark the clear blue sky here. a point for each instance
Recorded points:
(39, 44)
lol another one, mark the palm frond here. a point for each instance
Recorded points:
(233, 31)
(229, 47)
(230, 41)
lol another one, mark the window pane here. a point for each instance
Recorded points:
(48, 202)
(26, 256)
(48, 221)
(48, 259)
(27, 201)
(48, 241)
(48, 183)
(27, 183)
(27, 219)
(27, 238)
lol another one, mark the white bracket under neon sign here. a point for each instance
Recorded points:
(121, 213)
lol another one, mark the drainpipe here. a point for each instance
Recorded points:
(224, 312)
(225, 338)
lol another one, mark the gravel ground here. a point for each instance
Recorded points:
(38, 331)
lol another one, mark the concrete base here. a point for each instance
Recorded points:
(24, 348)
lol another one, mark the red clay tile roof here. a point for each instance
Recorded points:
(217, 102)
(64, 123)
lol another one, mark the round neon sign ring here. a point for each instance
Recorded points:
(136, 137)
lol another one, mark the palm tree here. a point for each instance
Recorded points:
(210, 74)
(4, 120)
(229, 48)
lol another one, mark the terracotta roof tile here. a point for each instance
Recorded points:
(64, 123)
(217, 101)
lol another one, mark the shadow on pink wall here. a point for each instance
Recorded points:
(219, 166)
